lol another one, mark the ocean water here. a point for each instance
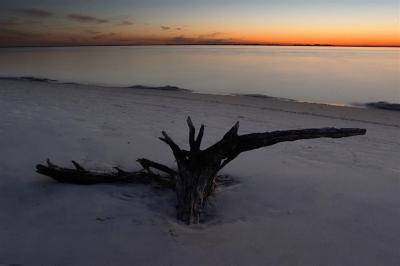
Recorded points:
(334, 75)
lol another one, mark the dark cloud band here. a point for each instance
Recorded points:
(86, 19)
(33, 12)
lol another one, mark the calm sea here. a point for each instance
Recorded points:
(315, 74)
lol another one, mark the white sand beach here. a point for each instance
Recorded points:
(309, 202)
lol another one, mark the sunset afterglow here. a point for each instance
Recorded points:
(123, 22)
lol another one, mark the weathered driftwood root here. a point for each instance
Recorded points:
(197, 169)
(197, 174)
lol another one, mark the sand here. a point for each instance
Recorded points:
(310, 202)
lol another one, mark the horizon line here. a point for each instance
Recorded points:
(195, 44)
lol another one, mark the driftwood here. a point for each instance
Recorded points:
(198, 168)
(79, 175)
(196, 176)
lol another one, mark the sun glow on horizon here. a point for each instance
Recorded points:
(302, 22)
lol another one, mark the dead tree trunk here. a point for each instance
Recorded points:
(196, 176)
(197, 169)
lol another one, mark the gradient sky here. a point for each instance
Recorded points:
(76, 22)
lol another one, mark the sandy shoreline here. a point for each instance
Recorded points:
(319, 202)
(391, 106)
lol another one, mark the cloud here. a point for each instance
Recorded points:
(8, 22)
(15, 33)
(211, 35)
(17, 23)
(126, 23)
(15, 37)
(86, 19)
(105, 36)
(199, 40)
(170, 28)
(92, 32)
(33, 12)
(180, 40)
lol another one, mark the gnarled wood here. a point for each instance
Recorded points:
(197, 174)
(198, 169)
(81, 176)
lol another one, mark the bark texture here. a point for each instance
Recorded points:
(198, 169)
(196, 176)
(79, 175)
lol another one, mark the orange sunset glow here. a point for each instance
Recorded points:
(343, 23)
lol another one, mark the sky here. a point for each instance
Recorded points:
(123, 22)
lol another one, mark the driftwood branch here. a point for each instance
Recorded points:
(197, 174)
(81, 176)
(147, 165)
(231, 145)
